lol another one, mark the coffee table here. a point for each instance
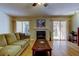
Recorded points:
(41, 45)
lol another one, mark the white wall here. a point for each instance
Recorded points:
(4, 23)
(75, 22)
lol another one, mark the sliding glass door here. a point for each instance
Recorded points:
(59, 30)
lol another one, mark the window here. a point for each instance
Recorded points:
(22, 26)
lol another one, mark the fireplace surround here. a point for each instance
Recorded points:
(41, 34)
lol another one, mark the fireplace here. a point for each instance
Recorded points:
(41, 34)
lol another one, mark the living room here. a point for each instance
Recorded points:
(23, 25)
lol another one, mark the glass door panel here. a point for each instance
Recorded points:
(59, 30)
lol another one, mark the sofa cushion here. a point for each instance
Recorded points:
(10, 38)
(20, 42)
(2, 40)
(17, 36)
(27, 40)
(10, 50)
(1, 47)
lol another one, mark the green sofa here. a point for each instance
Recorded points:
(13, 44)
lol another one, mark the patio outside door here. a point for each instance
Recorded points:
(60, 30)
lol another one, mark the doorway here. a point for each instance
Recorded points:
(60, 30)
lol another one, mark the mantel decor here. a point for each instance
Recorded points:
(41, 22)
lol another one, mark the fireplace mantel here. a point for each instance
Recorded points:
(47, 31)
(41, 29)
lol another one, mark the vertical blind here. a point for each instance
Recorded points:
(59, 30)
(22, 26)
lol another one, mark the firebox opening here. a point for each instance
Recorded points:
(41, 34)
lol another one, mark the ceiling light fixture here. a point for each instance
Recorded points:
(44, 4)
(34, 4)
(39, 3)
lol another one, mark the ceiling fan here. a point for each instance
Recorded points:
(44, 4)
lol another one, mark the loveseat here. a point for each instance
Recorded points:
(13, 44)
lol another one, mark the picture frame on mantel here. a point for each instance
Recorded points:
(41, 22)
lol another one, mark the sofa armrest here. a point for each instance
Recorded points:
(27, 36)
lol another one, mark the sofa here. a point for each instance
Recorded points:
(13, 44)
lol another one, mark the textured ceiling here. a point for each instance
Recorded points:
(26, 9)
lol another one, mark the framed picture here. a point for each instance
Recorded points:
(41, 23)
